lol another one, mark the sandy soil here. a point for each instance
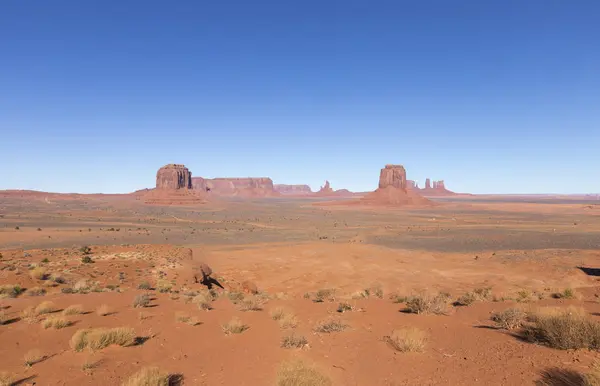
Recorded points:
(290, 249)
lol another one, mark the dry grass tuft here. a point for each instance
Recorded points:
(99, 338)
(103, 310)
(344, 307)
(478, 294)
(322, 295)
(407, 340)
(75, 309)
(32, 357)
(298, 373)
(235, 297)
(6, 379)
(3, 317)
(82, 286)
(56, 322)
(509, 319)
(564, 329)
(185, 318)
(428, 304)
(567, 293)
(10, 291)
(294, 341)
(234, 326)
(330, 325)
(142, 300)
(39, 273)
(36, 291)
(44, 308)
(149, 376)
(251, 304)
(204, 301)
(29, 315)
(164, 286)
(286, 318)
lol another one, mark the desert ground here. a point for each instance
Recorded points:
(96, 288)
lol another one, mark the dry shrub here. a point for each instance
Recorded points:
(235, 297)
(251, 304)
(144, 286)
(327, 294)
(39, 273)
(10, 291)
(6, 379)
(344, 306)
(142, 300)
(567, 293)
(32, 357)
(44, 308)
(298, 373)
(360, 294)
(56, 322)
(204, 301)
(593, 377)
(407, 340)
(428, 304)
(286, 318)
(3, 317)
(185, 318)
(149, 376)
(509, 319)
(99, 338)
(330, 325)
(75, 309)
(565, 329)
(29, 315)
(103, 310)
(82, 286)
(294, 341)
(164, 286)
(234, 326)
(562, 377)
(36, 291)
(524, 296)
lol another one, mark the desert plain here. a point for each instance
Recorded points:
(306, 291)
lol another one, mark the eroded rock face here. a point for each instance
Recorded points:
(250, 186)
(292, 189)
(326, 188)
(439, 185)
(394, 176)
(428, 184)
(173, 176)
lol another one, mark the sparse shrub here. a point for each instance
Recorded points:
(99, 338)
(293, 341)
(3, 317)
(251, 304)
(56, 322)
(568, 293)
(406, 340)
(204, 301)
(45, 260)
(466, 299)
(344, 306)
(32, 357)
(564, 329)
(330, 325)
(57, 279)
(509, 319)
(523, 296)
(286, 318)
(5, 378)
(75, 309)
(234, 326)
(103, 310)
(10, 291)
(478, 294)
(163, 286)
(144, 286)
(36, 291)
(86, 250)
(324, 295)
(86, 259)
(298, 373)
(142, 300)
(82, 286)
(39, 273)
(44, 308)
(67, 290)
(29, 315)
(149, 376)
(17, 228)
(235, 297)
(184, 318)
(428, 304)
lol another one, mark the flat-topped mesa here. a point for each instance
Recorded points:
(245, 186)
(173, 176)
(292, 189)
(394, 176)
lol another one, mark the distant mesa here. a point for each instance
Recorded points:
(173, 176)
(327, 191)
(236, 187)
(432, 188)
(293, 190)
(173, 187)
(392, 190)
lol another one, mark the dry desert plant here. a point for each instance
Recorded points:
(286, 318)
(82, 286)
(428, 304)
(144, 286)
(163, 286)
(344, 306)
(185, 318)
(406, 340)
(478, 294)
(235, 297)
(56, 322)
(10, 291)
(3, 317)
(99, 338)
(567, 293)
(330, 325)
(142, 300)
(44, 308)
(32, 357)
(103, 310)
(509, 319)
(149, 376)
(564, 329)
(234, 326)
(293, 341)
(326, 294)
(36, 291)
(204, 301)
(75, 309)
(39, 273)
(6, 379)
(251, 304)
(298, 373)
(29, 315)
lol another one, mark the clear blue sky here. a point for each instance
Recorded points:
(491, 96)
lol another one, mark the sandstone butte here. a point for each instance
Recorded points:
(392, 190)
(239, 187)
(432, 188)
(173, 187)
(293, 190)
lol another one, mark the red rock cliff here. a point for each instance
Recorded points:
(292, 189)
(173, 176)
(394, 176)
(250, 186)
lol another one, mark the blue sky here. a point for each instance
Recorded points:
(491, 96)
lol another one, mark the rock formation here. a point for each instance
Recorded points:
(245, 187)
(428, 184)
(173, 176)
(293, 190)
(325, 189)
(394, 176)
(393, 190)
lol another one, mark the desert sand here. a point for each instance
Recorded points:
(312, 260)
